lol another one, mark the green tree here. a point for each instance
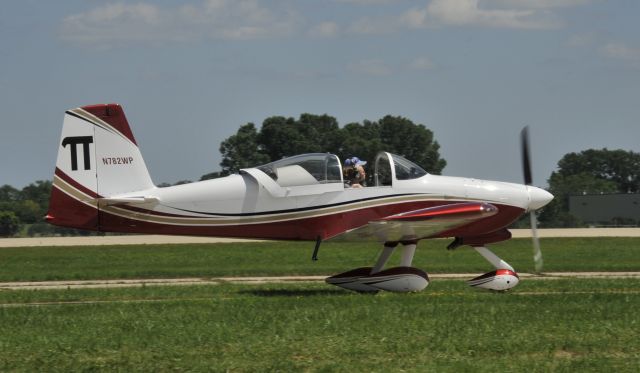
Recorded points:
(397, 135)
(28, 206)
(589, 172)
(211, 175)
(281, 137)
(9, 193)
(556, 213)
(241, 150)
(9, 224)
(29, 211)
(322, 131)
(619, 166)
(38, 192)
(182, 182)
(9, 199)
(361, 140)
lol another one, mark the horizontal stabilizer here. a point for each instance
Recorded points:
(127, 201)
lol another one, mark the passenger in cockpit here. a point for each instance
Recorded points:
(354, 175)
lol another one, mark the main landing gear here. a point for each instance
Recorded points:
(404, 279)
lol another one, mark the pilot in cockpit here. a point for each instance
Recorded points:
(354, 175)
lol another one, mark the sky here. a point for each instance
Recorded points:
(189, 73)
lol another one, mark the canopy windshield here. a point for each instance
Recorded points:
(405, 169)
(305, 169)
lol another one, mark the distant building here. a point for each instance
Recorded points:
(606, 209)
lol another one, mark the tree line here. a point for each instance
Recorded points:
(280, 137)
(590, 171)
(27, 206)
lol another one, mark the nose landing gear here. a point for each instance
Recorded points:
(503, 278)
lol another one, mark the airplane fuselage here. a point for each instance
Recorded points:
(101, 183)
(242, 205)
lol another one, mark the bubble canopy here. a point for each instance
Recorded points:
(305, 169)
(325, 168)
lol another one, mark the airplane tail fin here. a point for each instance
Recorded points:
(98, 157)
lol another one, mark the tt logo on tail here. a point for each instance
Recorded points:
(74, 141)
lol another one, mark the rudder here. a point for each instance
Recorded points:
(97, 157)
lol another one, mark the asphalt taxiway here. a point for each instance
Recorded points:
(120, 283)
(160, 239)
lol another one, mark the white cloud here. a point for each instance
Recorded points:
(422, 63)
(469, 13)
(378, 67)
(621, 51)
(368, 2)
(375, 67)
(512, 14)
(137, 22)
(535, 4)
(374, 26)
(415, 18)
(122, 23)
(325, 29)
(145, 13)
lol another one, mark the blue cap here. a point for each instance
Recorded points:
(356, 161)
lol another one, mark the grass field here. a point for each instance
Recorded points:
(542, 325)
(555, 325)
(293, 258)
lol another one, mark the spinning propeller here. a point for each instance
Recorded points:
(528, 180)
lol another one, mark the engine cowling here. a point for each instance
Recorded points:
(499, 280)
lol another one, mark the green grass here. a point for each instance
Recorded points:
(293, 258)
(556, 325)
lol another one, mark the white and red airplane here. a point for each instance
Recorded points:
(101, 183)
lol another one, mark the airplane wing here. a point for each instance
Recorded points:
(419, 224)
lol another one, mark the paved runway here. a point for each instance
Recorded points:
(113, 240)
(159, 239)
(92, 284)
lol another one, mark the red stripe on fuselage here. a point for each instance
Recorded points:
(312, 227)
(66, 211)
(59, 173)
(457, 210)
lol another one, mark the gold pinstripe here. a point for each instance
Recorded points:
(95, 120)
(259, 219)
(71, 191)
(222, 221)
